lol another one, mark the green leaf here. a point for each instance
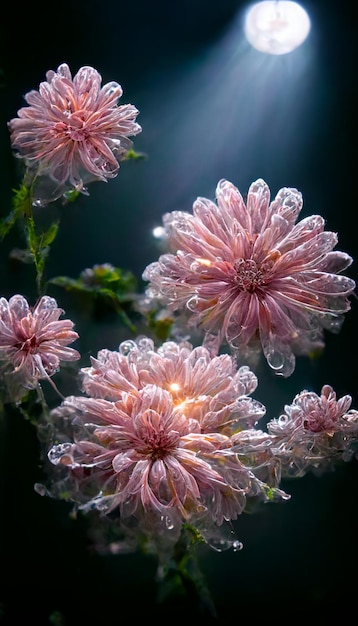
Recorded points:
(21, 206)
(160, 326)
(70, 284)
(102, 280)
(132, 155)
(49, 236)
(105, 284)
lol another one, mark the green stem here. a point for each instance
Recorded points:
(182, 579)
(37, 244)
(34, 407)
(35, 249)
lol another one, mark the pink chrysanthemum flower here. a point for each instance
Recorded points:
(248, 275)
(73, 130)
(314, 431)
(153, 439)
(33, 341)
(209, 390)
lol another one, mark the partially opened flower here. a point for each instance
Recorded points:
(249, 276)
(152, 441)
(73, 130)
(314, 431)
(33, 341)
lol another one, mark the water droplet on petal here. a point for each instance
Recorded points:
(57, 454)
(192, 303)
(275, 359)
(126, 346)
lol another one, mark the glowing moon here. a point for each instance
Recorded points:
(276, 27)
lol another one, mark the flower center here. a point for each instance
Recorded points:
(155, 441)
(249, 276)
(319, 419)
(157, 445)
(29, 345)
(76, 130)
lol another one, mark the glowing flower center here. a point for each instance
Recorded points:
(249, 276)
(177, 393)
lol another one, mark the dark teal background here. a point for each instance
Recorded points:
(291, 121)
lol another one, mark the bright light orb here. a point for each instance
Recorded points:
(276, 27)
(158, 232)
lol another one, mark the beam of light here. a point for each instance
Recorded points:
(276, 27)
(230, 112)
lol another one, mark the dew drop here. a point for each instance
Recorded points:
(40, 489)
(169, 524)
(57, 452)
(192, 304)
(38, 203)
(219, 544)
(127, 346)
(275, 359)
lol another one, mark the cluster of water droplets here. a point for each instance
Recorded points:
(221, 538)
